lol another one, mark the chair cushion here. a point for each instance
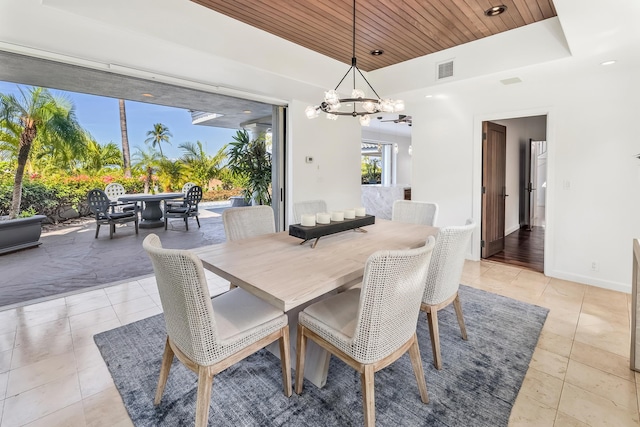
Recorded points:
(237, 312)
(120, 215)
(178, 210)
(338, 312)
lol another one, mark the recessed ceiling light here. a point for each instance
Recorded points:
(495, 10)
(376, 52)
(608, 62)
(148, 95)
(428, 96)
(247, 111)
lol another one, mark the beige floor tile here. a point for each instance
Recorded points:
(105, 409)
(611, 314)
(562, 322)
(84, 336)
(602, 334)
(139, 315)
(602, 360)
(29, 352)
(542, 387)
(531, 413)
(44, 331)
(133, 306)
(123, 287)
(40, 373)
(100, 315)
(88, 357)
(8, 321)
(5, 361)
(595, 410)
(7, 341)
(98, 300)
(620, 391)
(28, 318)
(605, 296)
(4, 377)
(41, 401)
(83, 297)
(555, 343)
(94, 380)
(549, 363)
(71, 416)
(127, 295)
(564, 420)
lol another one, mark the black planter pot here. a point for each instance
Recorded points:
(20, 233)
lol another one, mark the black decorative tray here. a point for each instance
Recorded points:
(319, 230)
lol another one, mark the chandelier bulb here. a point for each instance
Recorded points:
(365, 120)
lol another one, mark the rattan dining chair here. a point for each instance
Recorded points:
(188, 208)
(209, 335)
(443, 280)
(248, 221)
(101, 207)
(308, 207)
(415, 212)
(372, 327)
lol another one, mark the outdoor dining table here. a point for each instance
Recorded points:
(151, 213)
(276, 268)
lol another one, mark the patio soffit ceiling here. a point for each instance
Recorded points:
(403, 29)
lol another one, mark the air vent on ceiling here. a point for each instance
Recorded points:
(445, 69)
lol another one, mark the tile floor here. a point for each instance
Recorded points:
(51, 373)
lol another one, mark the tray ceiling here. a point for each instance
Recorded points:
(403, 29)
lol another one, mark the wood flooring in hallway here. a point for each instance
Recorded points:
(524, 249)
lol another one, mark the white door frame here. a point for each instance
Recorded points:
(549, 237)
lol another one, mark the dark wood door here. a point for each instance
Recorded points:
(494, 149)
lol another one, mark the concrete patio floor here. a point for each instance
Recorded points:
(71, 260)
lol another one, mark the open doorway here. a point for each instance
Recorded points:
(524, 194)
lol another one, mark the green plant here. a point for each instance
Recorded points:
(250, 161)
(26, 213)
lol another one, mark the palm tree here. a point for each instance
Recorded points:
(126, 154)
(38, 115)
(148, 161)
(160, 133)
(100, 156)
(171, 173)
(250, 161)
(201, 166)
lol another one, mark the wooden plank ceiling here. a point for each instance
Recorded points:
(403, 29)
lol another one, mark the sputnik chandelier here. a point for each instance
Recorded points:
(358, 105)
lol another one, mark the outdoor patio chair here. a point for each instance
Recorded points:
(371, 327)
(185, 190)
(114, 190)
(443, 280)
(100, 205)
(308, 207)
(188, 208)
(415, 212)
(209, 335)
(248, 221)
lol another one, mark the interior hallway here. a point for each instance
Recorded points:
(524, 249)
(51, 373)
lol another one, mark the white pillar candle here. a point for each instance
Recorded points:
(308, 220)
(349, 213)
(323, 218)
(337, 216)
(361, 211)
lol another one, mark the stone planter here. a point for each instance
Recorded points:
(20, 233)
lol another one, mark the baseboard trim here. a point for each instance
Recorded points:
(592, 281)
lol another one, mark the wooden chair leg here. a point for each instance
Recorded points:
(458, 307)
(167, 359)
(285, 360)
(205, 382)
(301, 350)
(432, 317)
(416, 362)
(368, 396)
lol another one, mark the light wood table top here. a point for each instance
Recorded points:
(276, 268)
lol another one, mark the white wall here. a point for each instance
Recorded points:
(593, 181)
(519, 131)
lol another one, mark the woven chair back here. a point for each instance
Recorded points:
(415, 212)
(308, 207)
(447, 262)
(392, 287)
(248, 221)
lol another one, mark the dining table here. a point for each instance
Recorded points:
(290, 276)
(151, 216)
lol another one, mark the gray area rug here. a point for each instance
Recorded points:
(477, 385)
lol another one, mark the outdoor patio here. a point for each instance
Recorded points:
(71, 260)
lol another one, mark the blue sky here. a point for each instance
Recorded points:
(101, 117)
